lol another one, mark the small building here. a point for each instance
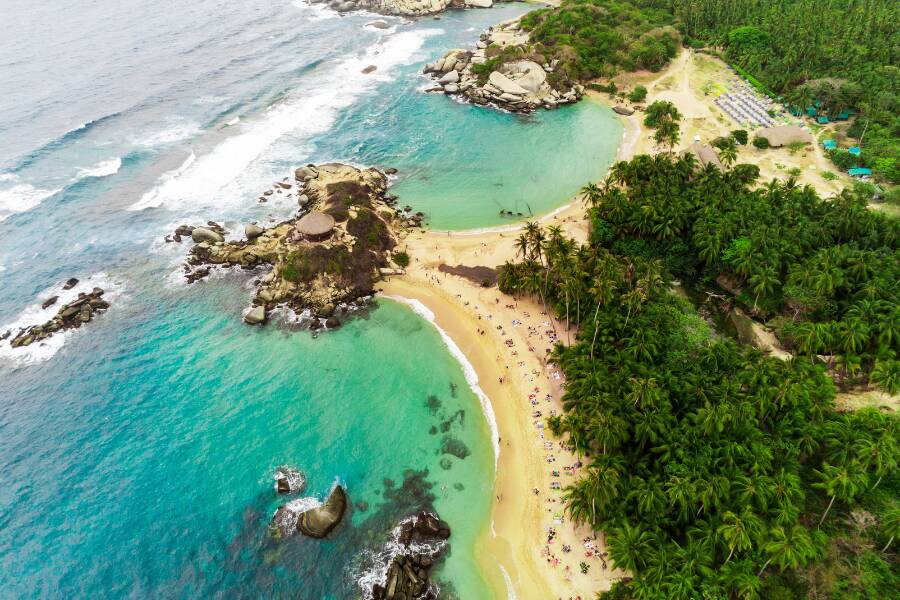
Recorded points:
(706, 155)
(782, 135)
(315, 226)
(829, 144)
(811, 111)
(855, 150)
(860, 172)
(823, 120)
(843, 116)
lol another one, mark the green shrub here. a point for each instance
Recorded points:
(760, 142)
(829, 176)
(402, 259)
(740, 136)
(638, 94)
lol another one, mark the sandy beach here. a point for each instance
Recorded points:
(532, 550)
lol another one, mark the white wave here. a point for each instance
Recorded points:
(21, 197)
(176, 133)
(468, 370)
(211, 180)
(101, 169)
(35, 315)
(510, 591)
(318, 11)
(233, 122)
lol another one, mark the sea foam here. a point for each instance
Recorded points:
(101, 169)
(207, 181)
(21, 197)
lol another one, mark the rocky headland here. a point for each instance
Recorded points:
(71, 315)
(330, 255)
(504, 70)
(405, 8)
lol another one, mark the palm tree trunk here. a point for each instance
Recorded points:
(596, 329)
(877, 482)
(763, 568)
(825, 514)
(883, 550)
(730, 555)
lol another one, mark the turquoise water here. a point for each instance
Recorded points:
(136, 454)
(530, 165)
(146, 471)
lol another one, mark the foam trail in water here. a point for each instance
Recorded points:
(35, 315)
(510, 592)
(468, 370)
(312, 113)
(101, 169)
(21, 197)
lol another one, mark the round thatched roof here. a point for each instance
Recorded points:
(315, 224)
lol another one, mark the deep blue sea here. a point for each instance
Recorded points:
(136, 454)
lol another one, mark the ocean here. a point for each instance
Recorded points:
(137, 452)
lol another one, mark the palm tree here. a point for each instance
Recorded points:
(886, 375)
(763, 282)
(838, 481)
(788, 548)
(591, 194)
(728, 155)
(739, 531)
(890, 525)
(629, 546)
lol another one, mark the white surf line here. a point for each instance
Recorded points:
(510, 591)
(468, 370)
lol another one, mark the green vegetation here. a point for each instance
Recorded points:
(402, 259)
(842, 53)
(740, 136)
(596, 38)
(717, 472)
(663, 117)
(760, 142)
(638, 94)
(829, 176)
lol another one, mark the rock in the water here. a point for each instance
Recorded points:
(255, 316)
(379, 24)
(451, 88)
(289, 480)
(332, 322)
(390, 171)
(49, 302)
(318, 522)
(253, 231)
(201, 234)
(369, 69)
(70, 284)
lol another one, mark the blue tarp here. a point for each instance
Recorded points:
(854, 150)
(830, 144)
(859, 172)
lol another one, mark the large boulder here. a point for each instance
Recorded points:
(255, 316)
(527, 74)
(623, 110)
(253, 231)
(480, 3)
(306, 173)
(450, 77)
(201, 234)
(319, 521)
(505, 85)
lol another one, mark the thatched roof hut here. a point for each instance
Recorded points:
(315, 226)
(706, 155)
(782, 135)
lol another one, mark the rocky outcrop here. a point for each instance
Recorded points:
(625, 111)
(69, 316)
(404, 8)
(289, 480)
(407, 575)
(516, 83)
(314, 272)
(319, 521)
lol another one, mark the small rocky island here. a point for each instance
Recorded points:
(405, 8)
(332, 253)
(71, 315)
(505, 71)
(407, 575)
(316, 522)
